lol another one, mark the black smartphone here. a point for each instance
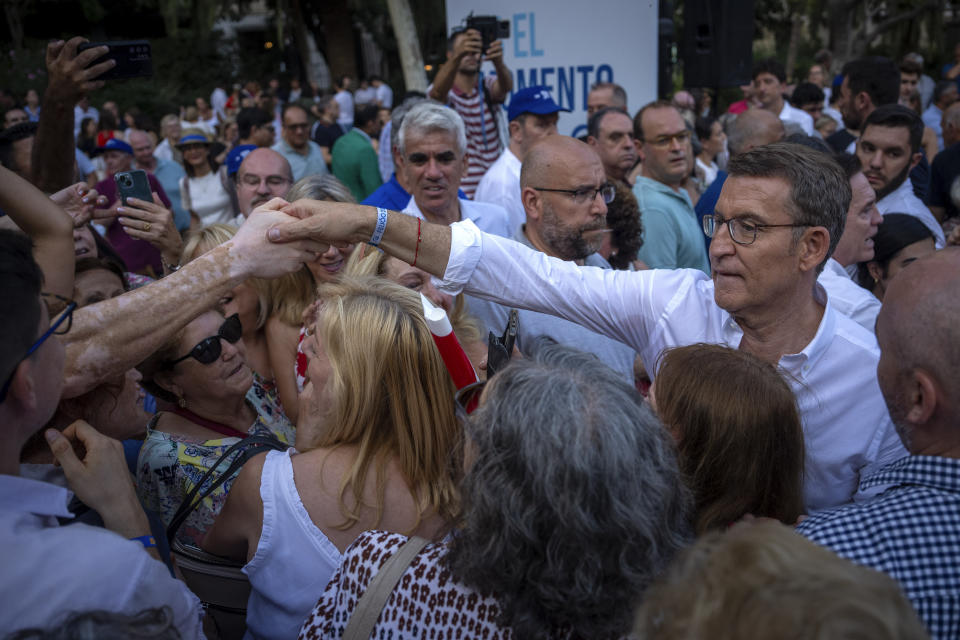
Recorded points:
(133, 184)
(500, 348)
(134, 59)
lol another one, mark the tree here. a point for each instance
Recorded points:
(410, 57)
(854, 25)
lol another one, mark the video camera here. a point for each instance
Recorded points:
(490, 28)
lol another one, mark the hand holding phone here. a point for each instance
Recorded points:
(133, 58)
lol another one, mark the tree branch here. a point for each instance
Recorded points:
(900, 17)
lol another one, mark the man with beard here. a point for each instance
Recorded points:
(264, 174)
(888, 149)
(565, 193)
(672, 238)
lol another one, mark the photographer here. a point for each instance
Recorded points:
(458, 84)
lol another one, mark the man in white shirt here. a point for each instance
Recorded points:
(778, 218)
(855, 245)
(888, 149)
(432, 159)
(345, 100)
(770, 79)
(533, 116)
(384, 92)
(83, 109)
(49, 570)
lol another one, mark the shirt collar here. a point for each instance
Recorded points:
(650, 183)
(927, 471)
(362, 133)
(32, 496)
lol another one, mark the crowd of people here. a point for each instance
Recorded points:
(432, 369)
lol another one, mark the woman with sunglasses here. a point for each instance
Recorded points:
(213, 403)
(376, 432)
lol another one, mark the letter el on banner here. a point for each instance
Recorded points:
(569, 46)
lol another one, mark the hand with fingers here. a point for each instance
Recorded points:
(153, 222)
(99, 476)
(71, 77)
(79, 200)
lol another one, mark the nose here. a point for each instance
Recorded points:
(876, 159)
(263, 188)
(598, 207)
(331, 253)
(875, 217)
(721, 244)
(433, 169)
(229, 351)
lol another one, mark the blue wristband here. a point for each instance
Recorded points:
(381, 227)
(146, 541)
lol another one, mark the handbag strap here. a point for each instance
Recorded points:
(371, 603)
(245, 449)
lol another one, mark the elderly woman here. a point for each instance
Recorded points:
(572, 505)
(292, 294)
(738, 433)
(202, 372)
(377, 428)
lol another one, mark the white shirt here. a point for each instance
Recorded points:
(903, 200)
(385, 95)
(207, 198)
(797, 116)
(163, 151)
(487, 217)
(847, 297)
(49, 570)
(847, 429)
(500, 185)
(365, 96)
(709, 171)
(345, 100)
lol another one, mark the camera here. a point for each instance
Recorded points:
(490, 28)
(125, 180)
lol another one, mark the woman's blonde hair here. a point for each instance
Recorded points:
(292, 293)
(200, 241)
(369, 261)
(392, 395)
(762, 580)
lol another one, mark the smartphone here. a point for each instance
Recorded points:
(133, 184)
(134, 59)
(500, 348)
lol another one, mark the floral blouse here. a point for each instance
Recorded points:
(170, 466)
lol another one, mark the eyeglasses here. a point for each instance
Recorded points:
(741, 231)
(582, 196)
(209, 349)
(59, 326)
(296, 127)
(252, 180)
(467, 398)
(665, 141)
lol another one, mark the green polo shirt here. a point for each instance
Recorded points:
(672, 237)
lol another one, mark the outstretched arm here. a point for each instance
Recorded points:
(112, 336)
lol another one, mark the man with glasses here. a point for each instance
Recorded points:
(48, 569)
(264, 174)
(671, 237)
(566, 218)
(778, 219)
(303, 154)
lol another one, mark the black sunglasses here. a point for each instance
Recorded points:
(209, 349)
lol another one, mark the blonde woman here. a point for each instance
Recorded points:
(377, 429)
(291, 295)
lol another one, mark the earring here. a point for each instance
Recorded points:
(182, 402)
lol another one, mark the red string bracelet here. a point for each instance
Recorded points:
(417, 252)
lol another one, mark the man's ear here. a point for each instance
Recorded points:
(591, 141)
(23, 386)
(530, 198)
(812, 248)
(639, 145)
(514, 129)
(915, 160)
(863, 103)
(921, 397)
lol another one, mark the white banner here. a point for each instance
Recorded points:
(568, 46)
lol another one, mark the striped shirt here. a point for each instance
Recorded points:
(483, 137)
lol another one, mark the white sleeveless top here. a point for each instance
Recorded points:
(294, 559)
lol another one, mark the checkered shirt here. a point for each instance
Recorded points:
(911, 532)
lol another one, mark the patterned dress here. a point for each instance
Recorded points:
(426, 604)
(170, 466)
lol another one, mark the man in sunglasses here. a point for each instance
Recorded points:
(50, 570)
(778, 219)
(671, 237)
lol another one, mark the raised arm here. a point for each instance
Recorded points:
(53, 156)
(49, 226)
(112, 336)
(504, 83)
(469, 43)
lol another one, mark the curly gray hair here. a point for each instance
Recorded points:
(574, 503)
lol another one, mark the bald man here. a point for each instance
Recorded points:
(263, 174)
(753, 128)
(564, 192)
(911, 530)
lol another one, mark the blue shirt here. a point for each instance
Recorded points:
(389, 195)
(672, 238)
(911, 532)
(708, 201)
(302, 166)
(168, 174)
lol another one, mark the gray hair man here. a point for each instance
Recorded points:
(910, 531)
(779, 218)
(432, 158)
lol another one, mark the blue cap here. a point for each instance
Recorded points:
(532, 100)
(114, 144)
(191, 136)
(236, 156)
